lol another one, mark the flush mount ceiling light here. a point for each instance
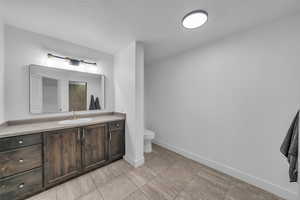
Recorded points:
(194, 19)
(72, 61)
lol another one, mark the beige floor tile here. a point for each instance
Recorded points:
(93, 195)
(191, 165)
(184, 196)
(161, 188)
(120, 167)
(171, 157)
(137, 195)
(216, 178)
(69, 191)
(178, 176)
(152, 193)
(236, 193)
(102, 176)
(158, 164)
(157, 148)
(118, 189)
(200, 188)
(248, 192)
(47, 195)
(149, 156)
(158, 151)
(141, 175)
(86, 183)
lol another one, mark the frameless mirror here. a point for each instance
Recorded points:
(54, 90)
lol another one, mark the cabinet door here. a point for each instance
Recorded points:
(117, 144)
(95, 146)
(62, 155)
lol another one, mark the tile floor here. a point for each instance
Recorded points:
(165, 176)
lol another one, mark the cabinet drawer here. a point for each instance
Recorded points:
(20, 141)
(117, 125)
(21, 186)
(20, 160)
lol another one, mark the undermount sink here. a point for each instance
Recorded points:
(75, 121)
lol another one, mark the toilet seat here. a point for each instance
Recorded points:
(150, 135)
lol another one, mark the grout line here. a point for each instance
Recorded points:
(98, 190)
(137, 187)
(85, 193)
(56, 195)
(132, 181)
(98, 186)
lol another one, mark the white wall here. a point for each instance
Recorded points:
(2, 112)
(23, 48)
(129, 96)
(230, 103)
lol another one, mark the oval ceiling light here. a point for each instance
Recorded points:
(194, 19)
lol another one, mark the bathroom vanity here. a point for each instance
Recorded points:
(37, 156)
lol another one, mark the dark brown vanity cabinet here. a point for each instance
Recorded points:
(21, 185)
(62, 155)
(21, 170)
(94, 146)
(71, 152)
(32, 163)
(116, 140)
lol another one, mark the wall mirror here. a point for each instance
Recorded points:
(54, 90)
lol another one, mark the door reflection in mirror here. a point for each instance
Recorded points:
(54, 90)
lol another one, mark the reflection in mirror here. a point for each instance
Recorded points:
(54, 90)
(50, 95)
(77, 95)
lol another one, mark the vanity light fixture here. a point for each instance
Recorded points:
(72, 61)
(194, 19)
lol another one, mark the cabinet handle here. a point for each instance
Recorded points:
(110, 136)
(21, 160)
(83, 134)
(20, 141)
(21, 185)
(78, 135)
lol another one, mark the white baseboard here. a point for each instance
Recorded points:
(261, 183)
(133, 162)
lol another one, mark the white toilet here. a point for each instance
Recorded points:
(148, 137)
